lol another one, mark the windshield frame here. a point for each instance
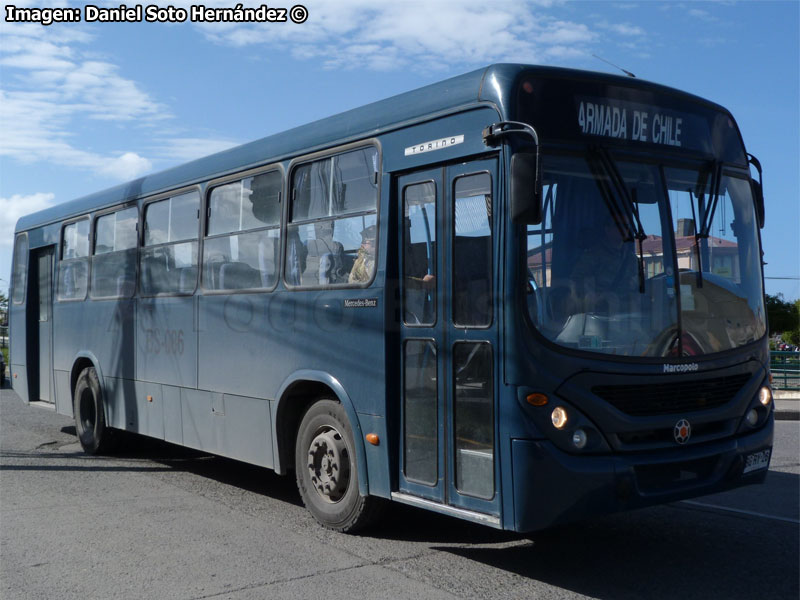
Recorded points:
(661, 161)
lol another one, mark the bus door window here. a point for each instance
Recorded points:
(73, 268)
(419, 254)
(114, 259)
(169, 256)
(472, 251)
(420, 406)
(334, 205)
(474, 419)
(242, 247)
(473, 396)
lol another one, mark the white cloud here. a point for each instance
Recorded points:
(627, 29)
(127, 166)
(562, 32)
(52, 86)
(702, 15)
(371, 35)
(184, 149)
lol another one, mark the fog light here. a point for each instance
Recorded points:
(752, 417)
(559, 417)
(579, 439)
(765, 396)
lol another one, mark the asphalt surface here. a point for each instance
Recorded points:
(158, 521)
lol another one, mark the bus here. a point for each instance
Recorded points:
(522, 296)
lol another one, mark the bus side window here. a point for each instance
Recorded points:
(114, 258)
(73, 268)
(168, 260)
(331, 237)
(243, 234)
(19, 277)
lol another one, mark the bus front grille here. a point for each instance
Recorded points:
(672, 398)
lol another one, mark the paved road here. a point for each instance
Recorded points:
(165, 522)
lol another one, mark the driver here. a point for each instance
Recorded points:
(606, 264)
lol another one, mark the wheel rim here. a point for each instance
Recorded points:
(88, 415)
(329, 465)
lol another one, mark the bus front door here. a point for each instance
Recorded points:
(448, 336)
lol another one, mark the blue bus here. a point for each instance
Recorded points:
(522, 296)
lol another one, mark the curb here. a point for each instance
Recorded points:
(787, 415)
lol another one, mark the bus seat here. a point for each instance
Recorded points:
(267, 259)
(238, 276)
(328, 258)
(187, 279)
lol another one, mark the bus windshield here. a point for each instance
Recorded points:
(647, 260)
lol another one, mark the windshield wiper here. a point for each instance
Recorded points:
(706, 213)
(629, 211)
(708, 217)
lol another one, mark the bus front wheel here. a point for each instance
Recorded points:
(327, 475)
(90, 417)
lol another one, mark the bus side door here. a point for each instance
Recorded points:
(448, 335)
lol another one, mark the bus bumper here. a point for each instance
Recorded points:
(552, 487)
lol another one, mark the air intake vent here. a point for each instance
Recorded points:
(672, 398)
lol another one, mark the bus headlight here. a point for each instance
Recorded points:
(765, 396)
(559, 417)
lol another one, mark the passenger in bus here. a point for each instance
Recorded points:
(364, 265)
(605, 267)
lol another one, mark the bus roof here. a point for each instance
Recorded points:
(490, 85)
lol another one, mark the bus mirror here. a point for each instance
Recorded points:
(526, 199)
(758, 190)
(758, 199)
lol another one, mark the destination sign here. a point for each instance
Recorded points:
(635, 122)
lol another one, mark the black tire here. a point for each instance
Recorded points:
(90, 417)
(327, 474)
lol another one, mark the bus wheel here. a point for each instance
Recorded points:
(325, 465)
(90, 418)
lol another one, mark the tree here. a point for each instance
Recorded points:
(792, 336)
(783, 316)
(3, 309)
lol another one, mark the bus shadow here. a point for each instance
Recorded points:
(244, 476)
(405, 523)
(666, 552)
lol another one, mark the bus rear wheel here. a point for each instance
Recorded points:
(327, 475)
(90, 417)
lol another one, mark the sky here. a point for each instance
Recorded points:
(85, 106)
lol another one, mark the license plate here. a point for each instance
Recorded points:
(756, 461)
